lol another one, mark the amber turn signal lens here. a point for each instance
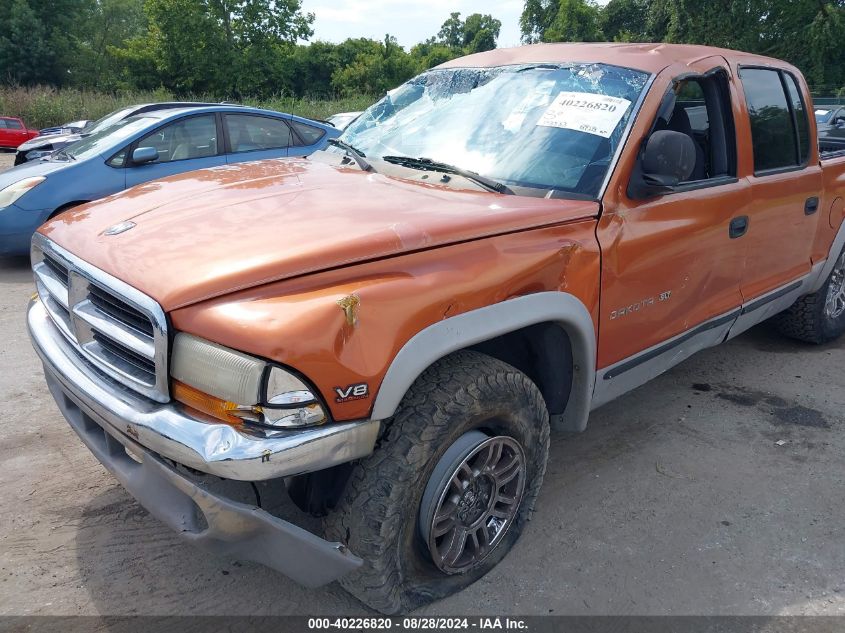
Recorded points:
(204, 403)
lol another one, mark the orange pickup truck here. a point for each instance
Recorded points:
(388, 331)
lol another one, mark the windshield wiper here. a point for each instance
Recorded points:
(543, 67)
(431, 165)
(355, 154)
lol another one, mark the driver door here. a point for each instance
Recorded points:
(671, 270)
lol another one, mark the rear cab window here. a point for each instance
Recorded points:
(779, 126)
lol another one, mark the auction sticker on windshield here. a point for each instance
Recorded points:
(585, 112)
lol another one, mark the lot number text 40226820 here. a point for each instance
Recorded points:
(419, 624)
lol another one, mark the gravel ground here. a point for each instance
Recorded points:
(6, 160)
(715, 489)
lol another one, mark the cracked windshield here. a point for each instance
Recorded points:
(546, 128)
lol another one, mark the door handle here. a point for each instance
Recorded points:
(739, 226)
(811, 206)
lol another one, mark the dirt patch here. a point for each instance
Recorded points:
(801, 416)
(781, 410)
(7, 160)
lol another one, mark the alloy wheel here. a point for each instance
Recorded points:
(471, 500)
(834, 306)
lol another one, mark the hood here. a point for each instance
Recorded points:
(54, 140)
(211, 232)
(30, 169)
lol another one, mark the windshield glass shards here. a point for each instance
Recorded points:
(548, 127)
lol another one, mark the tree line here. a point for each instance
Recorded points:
(260, 48)
(806, 33)
(228, 48)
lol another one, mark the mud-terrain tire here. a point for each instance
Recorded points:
(466, 400)
(819, 317)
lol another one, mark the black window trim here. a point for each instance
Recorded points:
(228, 145)
(134, 144)
(793, 116)
(807, 113)
(799, 166)
(695, 185)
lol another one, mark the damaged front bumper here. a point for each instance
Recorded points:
(113, 422)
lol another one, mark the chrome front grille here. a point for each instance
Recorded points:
(120, 330)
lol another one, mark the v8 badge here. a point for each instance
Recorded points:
(358, 391)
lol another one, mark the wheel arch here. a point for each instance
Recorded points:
(65, 207)
(836, 249)
(557, 318)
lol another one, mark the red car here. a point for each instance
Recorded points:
(13, 132)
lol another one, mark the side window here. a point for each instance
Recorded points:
(248, 133)
(773, 133)
(13, 125)
(194, 137)
(2, 124)
(802, 125)
(702, 111)
(308, 133)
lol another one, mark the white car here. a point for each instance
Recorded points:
(341, 120)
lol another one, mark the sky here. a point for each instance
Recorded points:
(409, 21)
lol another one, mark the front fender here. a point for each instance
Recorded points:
(411, 310)
(17, 226)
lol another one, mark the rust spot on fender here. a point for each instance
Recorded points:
(349, 304)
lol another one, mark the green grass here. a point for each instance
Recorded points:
(42, 106)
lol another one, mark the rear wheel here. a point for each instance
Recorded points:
(819, 317)
(450, 487)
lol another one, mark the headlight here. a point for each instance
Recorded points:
(236, 387)
(14, 191)
(288, 402)
(216, 370)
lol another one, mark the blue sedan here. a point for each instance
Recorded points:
(142, 148)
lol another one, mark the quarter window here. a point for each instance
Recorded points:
(250, 133)
(777, 137)
(118, 160)
(308, 133)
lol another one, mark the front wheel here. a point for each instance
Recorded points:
(819, 317)
(450, 487)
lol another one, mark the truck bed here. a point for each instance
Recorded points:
(831, 148)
